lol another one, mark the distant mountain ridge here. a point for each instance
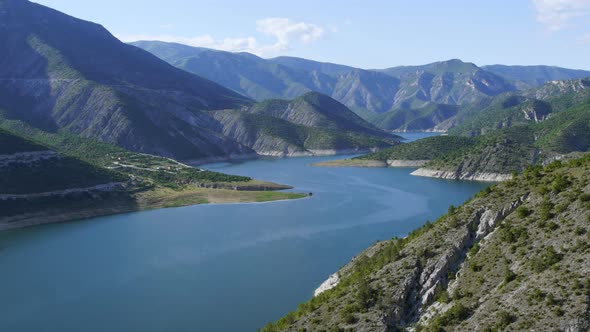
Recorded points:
(531, 76)
(62, 73)
(417, 93)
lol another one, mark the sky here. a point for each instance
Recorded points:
(367, 34)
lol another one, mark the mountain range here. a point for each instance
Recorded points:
(60, 73)
(404, 98)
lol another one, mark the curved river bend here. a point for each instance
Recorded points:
(211, 267)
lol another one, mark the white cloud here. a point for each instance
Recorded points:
(558, 14)
(287, 31)
(284, 31)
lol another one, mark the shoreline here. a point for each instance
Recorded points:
(450, 175)
(277, 154)
(420, 170)
(161, 198)
(372, 163)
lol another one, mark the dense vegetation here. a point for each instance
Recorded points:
(47, 174)
(11, 144)
(54, 174)
(163, 170)
(424, 149)
(504, 152)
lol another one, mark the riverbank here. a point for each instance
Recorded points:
(424, 172)
(450, 175)
(122, 202)
(372, 163)
(277, 154)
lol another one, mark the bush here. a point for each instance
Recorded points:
(504, 319)
(537, 296)
(365, 295)
(348, 318)
(584, 197)
(551, 226)
(509, 275)
(523, 212)
(475, 267)
(512, 234)
(474, 250)
(455, 314)
(546, 259)
(546, 208)
(560, 183)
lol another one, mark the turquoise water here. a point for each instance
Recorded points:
(211, 267)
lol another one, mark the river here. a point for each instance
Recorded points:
(227, 267)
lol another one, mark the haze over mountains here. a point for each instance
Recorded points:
(398, 98)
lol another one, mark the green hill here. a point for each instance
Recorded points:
(29, 168)
(423, 149)
(316, 110)
(515, 257)
(55, 177)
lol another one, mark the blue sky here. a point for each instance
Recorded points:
(367, 34)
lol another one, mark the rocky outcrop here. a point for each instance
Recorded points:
(449, 175)
(330, 283)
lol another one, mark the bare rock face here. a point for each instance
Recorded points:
(486, 177)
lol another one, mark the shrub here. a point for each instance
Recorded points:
(546, 208)
(504, 319)
(560, 183)
(475, 267)
(509, 275)
(584, 197)
(537, 296)
(452, 210)
(523, 212)
(474, 250)
(546, 259)
(348, 318)
(512, 234)
(365, 295)
(580, 230)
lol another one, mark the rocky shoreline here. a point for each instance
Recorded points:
(450, 175)
(330, 283)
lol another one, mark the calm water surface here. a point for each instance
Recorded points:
(211, 267)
